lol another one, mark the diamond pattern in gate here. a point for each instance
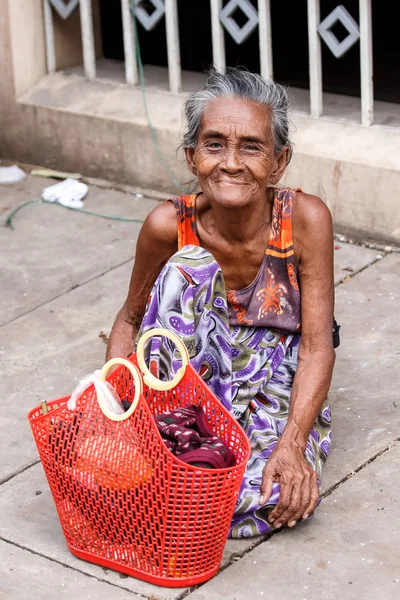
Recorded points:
(239, 34)
(340, 13)
(149, 21)
(65, 8)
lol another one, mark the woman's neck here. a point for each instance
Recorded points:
(242, 224)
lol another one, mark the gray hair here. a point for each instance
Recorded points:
(240, 83)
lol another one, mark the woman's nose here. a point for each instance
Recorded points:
(232, 161)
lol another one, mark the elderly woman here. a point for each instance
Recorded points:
(243, 272)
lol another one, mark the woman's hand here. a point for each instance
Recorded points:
(298, 484)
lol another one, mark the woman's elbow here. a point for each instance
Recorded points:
(322, 352)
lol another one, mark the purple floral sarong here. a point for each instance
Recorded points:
(250, 369)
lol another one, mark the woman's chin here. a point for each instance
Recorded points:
(232, 196)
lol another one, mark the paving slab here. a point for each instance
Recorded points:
(365, 395)
(349, 550)
(52, 250)
(26, 576)
(44, 353)
(32, 522)
(350, 259)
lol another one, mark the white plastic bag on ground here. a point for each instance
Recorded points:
(69, 193)
(11, 174)
(104, 390)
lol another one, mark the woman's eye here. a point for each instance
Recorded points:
(252, 148)
(214, 145)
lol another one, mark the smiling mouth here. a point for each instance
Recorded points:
(230, 182)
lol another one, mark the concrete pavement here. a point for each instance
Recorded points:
(349, 551)
(65, 276)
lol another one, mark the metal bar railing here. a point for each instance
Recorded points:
(314, 58)
(218, 37)
(49, 36)
(173, 49)
(128, 31)
(218, 47)
(265, 37)
(366, 63)
(89, 55)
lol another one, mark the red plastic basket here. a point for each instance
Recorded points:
(123, 499)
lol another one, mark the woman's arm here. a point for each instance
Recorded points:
(157, 242)
(287, 464)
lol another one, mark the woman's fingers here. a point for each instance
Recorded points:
(314, 495)
(286, 483)
(303, 502)
(266, 486)
(302, 497)
(298, 493)
(287, 515)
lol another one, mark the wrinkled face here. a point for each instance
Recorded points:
(235, 157)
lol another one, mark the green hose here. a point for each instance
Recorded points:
(8, 222)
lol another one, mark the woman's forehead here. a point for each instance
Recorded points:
(228, 115)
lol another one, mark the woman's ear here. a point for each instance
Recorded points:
(189, 154)
(281, 162)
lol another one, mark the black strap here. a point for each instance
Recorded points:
(336, 335)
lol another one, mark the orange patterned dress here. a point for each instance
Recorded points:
(273, 297)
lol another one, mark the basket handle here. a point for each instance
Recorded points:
(148, 378)
(138, 388)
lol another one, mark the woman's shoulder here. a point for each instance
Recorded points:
(312, 224)
(161, 223)
(310, 211)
